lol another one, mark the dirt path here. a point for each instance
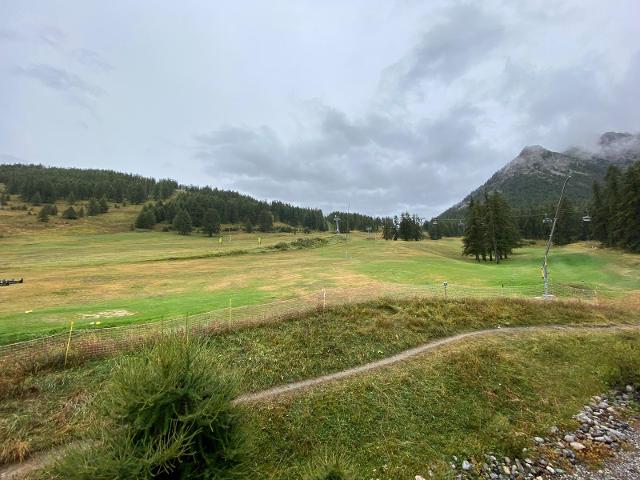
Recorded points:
(412, 352)
(20, 470)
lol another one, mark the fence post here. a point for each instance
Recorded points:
(66, 352)
(229, 311)
(444, 284)
(324, 300)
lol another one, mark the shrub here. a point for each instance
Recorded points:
(70, 214)
(169, 415)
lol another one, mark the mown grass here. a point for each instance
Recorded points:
(96, 264)
(45, 408)
(487, 395)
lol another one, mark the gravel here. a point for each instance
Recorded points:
(603, 431)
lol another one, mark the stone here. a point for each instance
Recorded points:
(569, 438)
(577, 446)
(466, 465)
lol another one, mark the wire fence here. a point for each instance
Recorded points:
(88, 343)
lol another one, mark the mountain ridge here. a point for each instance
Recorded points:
(535, 176)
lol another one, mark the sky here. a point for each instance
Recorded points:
(375, 106)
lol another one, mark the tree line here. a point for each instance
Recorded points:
(206, 208)
(615, 208)
(40, 184)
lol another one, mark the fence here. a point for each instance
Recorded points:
(86, 343)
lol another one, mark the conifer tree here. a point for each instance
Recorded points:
(93, 208)
(182, 222)
(103, 206)
(211, 222)
(265, 221)
(81, 212)
(70, 214)
(146, 219)
(43, 214)
(630, 209)
(473, 240)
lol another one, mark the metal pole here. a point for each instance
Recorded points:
(546, 252)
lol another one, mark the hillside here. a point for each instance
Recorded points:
(535, 176)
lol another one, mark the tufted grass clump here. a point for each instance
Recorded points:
(329, 467)
(168, 414)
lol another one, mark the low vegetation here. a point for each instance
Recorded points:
(490, 395)
(165, 413)
(45, 408)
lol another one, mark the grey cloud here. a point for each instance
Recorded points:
(447, 50)
(61, 80)
(91, 59)
(375, 163)
(51, 35)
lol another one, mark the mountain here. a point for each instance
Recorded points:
(535, 176)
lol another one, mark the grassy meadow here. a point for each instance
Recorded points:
(397, 422)
(96, 268)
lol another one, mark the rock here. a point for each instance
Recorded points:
(419, 477)
(569, 438)
(466, 465)
(538, 439)
(577, 446)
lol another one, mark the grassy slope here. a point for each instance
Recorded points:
(50, 407)
(494, 394)
(95, 265)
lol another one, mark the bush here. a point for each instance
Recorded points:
(70, 214)
(168, 415)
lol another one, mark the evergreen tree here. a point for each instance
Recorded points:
(248, 226)
(567, 227)
(630, 209)
(265, 221)
(36, 199)
(43, 214)
(71, 198)
(182, 222)
(93, 208)
(81, 212)
(435, 232)
(211, 222)
(473, 240)
(70, 214)
(388, 229)
(103, 206)
(599, 213)
(146, 219)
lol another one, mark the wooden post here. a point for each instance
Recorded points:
(66, 353)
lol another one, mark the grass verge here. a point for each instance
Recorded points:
(490, 395)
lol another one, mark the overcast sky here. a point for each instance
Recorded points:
(380, 105)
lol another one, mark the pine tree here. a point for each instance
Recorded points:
(103, 206)
(36, 199)
(566, 226)
(265, 221)
(388, 229)
(211, 222)
(70, 214)
(248, 226)
(473, 240)
(71, 198)
(599, 214)
(93, 208)
(81, 212)
(182, 222)
(43, 214)
(630, 209)
(146, 219)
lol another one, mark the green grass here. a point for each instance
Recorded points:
(76, 269)
(492, 395)
(47, 408)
